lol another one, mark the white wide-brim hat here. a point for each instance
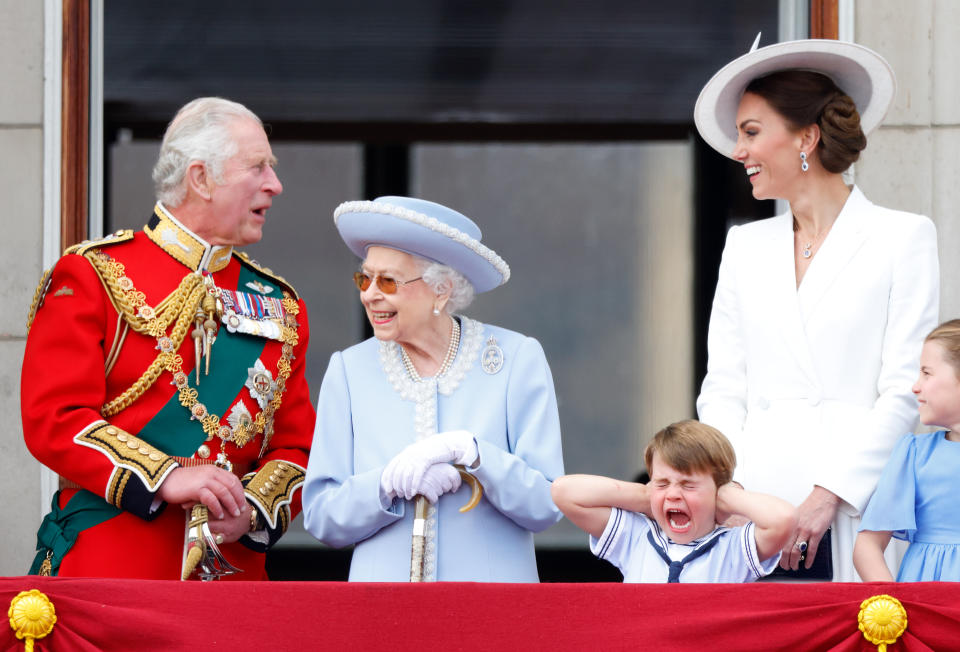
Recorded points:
(859, 72)
(423, 228)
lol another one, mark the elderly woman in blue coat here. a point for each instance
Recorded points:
(431, 389)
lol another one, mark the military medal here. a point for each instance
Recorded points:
(253, 314)
(260, 383)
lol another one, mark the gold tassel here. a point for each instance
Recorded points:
(211, 324)
(197, 335)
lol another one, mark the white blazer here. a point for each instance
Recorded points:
(813, 385)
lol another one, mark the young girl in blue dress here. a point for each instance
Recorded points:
(916, 498)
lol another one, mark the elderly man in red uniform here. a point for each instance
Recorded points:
(165, 370)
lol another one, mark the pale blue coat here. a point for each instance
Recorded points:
(363, 421)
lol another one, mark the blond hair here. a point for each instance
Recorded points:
(690, 446)
(947, 335)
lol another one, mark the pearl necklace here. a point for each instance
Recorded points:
(447, 359)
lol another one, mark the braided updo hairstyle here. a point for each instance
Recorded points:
(804, 98)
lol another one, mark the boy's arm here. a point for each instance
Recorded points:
(587, 499)
(774, 519)
(868, 556)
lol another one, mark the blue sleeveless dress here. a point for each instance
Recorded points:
(918, 500)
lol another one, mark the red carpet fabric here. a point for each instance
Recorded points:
(97, 614)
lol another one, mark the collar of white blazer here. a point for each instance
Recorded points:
(858, 71)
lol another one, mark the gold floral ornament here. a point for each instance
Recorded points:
(882, 620)
(31, 616)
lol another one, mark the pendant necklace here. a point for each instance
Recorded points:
(806, 250)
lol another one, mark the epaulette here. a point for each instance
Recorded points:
(123, 235)
(245, 258)
(81, 248)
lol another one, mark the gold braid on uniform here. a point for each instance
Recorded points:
(129, 454)
(79, 248)
(179, 306)
(272, 489)
(38, 296)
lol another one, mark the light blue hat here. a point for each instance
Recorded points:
(423, 228)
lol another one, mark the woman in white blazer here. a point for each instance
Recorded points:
(819, 313)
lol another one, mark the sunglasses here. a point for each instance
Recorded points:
(387, 284)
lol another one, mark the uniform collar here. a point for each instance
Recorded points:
(168, 233)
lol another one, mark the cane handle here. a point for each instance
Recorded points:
(476, 489)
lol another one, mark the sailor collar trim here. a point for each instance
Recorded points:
(168, 233)
(665, 541)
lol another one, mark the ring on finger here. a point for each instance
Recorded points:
(801, 546)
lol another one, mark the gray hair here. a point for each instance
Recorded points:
(199, 132)
(440, 277)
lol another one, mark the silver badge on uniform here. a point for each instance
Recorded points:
(260, 383)
(239, 415)
(492, 358)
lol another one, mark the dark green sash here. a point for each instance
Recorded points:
(230, 358)
(60, 528)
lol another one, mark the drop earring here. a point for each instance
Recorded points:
(436, 311)
(804, 166)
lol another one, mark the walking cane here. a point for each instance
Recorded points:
(421, 505)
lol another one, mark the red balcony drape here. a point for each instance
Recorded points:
(100, 614)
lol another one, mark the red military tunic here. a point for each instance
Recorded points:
(112, 310)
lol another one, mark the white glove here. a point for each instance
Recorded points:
(404, 473)
(439, 479)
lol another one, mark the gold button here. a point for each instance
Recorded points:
(269, 486)
(133, 443)
(204, 451)
(111, 430)
(144, 449)
(123, 436)
(274, 478)
(263, 491)
(155, 456)
(282, 466)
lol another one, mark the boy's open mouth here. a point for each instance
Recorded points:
(679, 521)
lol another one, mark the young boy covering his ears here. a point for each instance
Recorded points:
(666, 530)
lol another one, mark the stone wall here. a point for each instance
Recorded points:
(911, 162)
(21, 250)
